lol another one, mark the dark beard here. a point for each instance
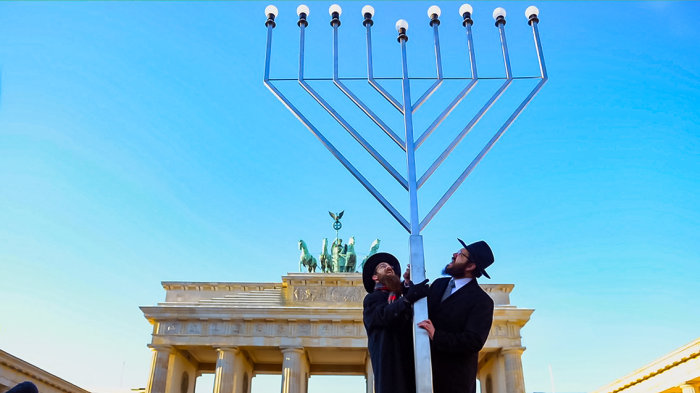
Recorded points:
(392, 282)
(456, 273)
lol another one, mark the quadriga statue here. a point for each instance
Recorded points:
(306, 259)
(350, 256)
(325, 258)
(372, 250)
(341, 259)
(338, 252)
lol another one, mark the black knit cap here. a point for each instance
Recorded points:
(480, 253)
(371, 265)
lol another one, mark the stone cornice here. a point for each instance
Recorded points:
(322, 278)
(218, 286)
(183, 328)
(296, 290)
(310, 309)
(199, 312)
(674, 359)
(37, 374)
(518, 316)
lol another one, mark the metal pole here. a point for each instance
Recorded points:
(538, 46)
(421, 340)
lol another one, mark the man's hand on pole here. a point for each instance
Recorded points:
(417, 291)
(428, 326)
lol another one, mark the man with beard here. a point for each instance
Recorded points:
(387, 317)
(460, 315)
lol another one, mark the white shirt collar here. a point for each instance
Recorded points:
(460, 282)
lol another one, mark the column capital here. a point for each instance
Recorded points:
(292, 349)
(161, 347)
(513, 350)
(686, 388)
(226, 348)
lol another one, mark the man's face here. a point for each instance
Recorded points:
(383, 269)
(460, 265)
(386, 275)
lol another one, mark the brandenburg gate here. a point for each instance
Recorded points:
(309, 324)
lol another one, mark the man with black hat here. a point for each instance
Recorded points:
(387, 317)
(460, 315)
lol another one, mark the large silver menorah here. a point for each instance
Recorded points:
(409, 145)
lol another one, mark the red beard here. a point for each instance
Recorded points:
(392, 282)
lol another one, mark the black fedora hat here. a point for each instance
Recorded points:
(480, 253)
(371, 265)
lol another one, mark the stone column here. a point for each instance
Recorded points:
(159, 368)
(491, 373)
(248, 380)
(515, 382)
(369, 375)
(232, 371)
(295, 370)
(242, 373)
(482, 382)
(181, 364)
(687, 388)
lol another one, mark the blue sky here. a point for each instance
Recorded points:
(139, 145)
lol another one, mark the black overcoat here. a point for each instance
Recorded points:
(390, 342)
(462, 323)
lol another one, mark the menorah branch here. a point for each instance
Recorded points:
(370, 73)
(479, 115)
(355, 99)
(501, 131)
(329, 146)
(374, 153)
(462, 94)
(438, 65)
